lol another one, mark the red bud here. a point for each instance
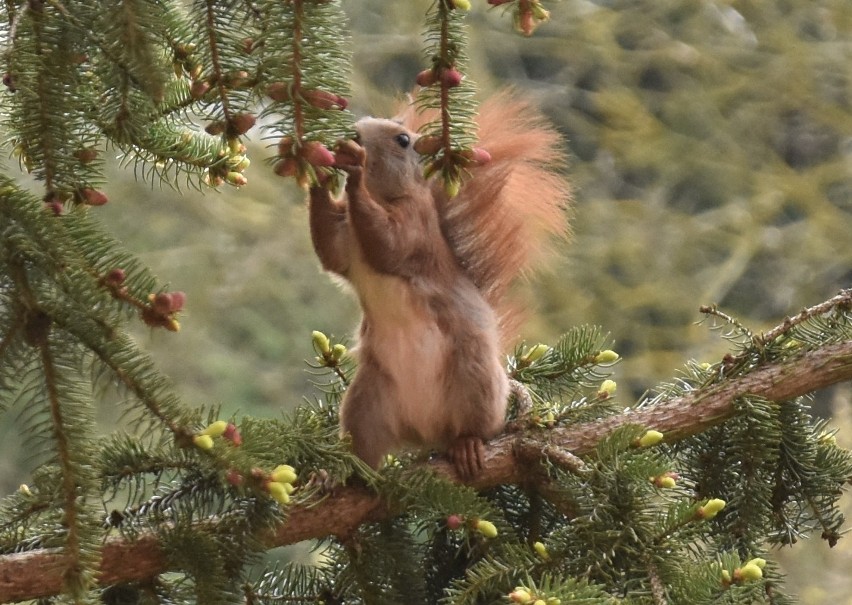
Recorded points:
(93, 197)
(427, 145)
(287, 167)
(451, 77)
(454, 521)
(241, 123)
(199, 88)
(317, 154)
(232, 434)
(278, 91)
(324, 100)
(425, 78)
(479, 156)
(86, 155)
(234, 477)
(215, 128)
(115, 277)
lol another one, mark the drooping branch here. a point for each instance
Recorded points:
(39, 573)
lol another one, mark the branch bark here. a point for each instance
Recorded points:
(39, 573)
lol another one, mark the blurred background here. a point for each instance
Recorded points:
(711, 152)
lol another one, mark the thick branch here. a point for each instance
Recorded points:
(39, 573)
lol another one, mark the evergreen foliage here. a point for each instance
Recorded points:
(632, 520)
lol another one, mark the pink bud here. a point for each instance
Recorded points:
(324, 100)
(427, 145)
(425, 78)
(479, 156)
(235, 478)
(240, 123)
(317, 154)
(232, 434)
(199, 88)
(454, 521)
(287, 167)
(115, 277)
(278, 91)
(93, 197)
(451, 77)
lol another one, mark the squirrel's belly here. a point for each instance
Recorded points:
(403, 336)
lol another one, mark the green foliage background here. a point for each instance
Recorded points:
(711, 146)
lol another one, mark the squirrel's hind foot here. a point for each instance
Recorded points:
(466, 454)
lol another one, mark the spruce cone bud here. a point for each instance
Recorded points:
(278, 91)
(232, 434)
(86, 155)
(454, 521)
(317, 154)
(324, 100)
(240, 124)
(115, 277)
(427, 145)
(199, 88)
(93, 197)
(425, 78)
(215, 128)
(451, 78)
(287, 167)
(479, 156)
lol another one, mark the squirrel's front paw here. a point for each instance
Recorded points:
(349, 155)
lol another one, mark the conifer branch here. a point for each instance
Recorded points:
(39, 573)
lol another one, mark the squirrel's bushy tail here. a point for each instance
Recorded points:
(508, 210)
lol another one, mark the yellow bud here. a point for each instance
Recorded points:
(711, 508)
(607, 356)
(541, 550)
(337, 352)
(452, 187)
(761, 563)
(540, 13)
(704, 366)
(749, 572)
(608, 388)
(284, 473)
(726, 576)
(539, 602)
(666, 482)
(278, 492)
(321, 342)
(553, 601)
(204, 442)
(215, 429)
(24, 490)
(520, 595)
(828, 439)
(650, 438)
(463, 5)
(535, 353)
(486, 528)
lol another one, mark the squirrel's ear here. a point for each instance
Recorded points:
(409, 115)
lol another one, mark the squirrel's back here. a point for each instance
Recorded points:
(507, 210)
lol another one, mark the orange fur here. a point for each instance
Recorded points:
(507, 211)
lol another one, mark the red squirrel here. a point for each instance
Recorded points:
(432, 275)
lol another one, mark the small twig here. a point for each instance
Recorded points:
(843, 299)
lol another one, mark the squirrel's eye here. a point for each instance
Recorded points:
(403, 140)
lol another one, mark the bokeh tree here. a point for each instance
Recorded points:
(711, 163)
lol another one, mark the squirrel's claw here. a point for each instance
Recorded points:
(349, 155)
(466, 454)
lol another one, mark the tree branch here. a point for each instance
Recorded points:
(39, 573)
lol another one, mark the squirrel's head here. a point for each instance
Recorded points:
(393, 167)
